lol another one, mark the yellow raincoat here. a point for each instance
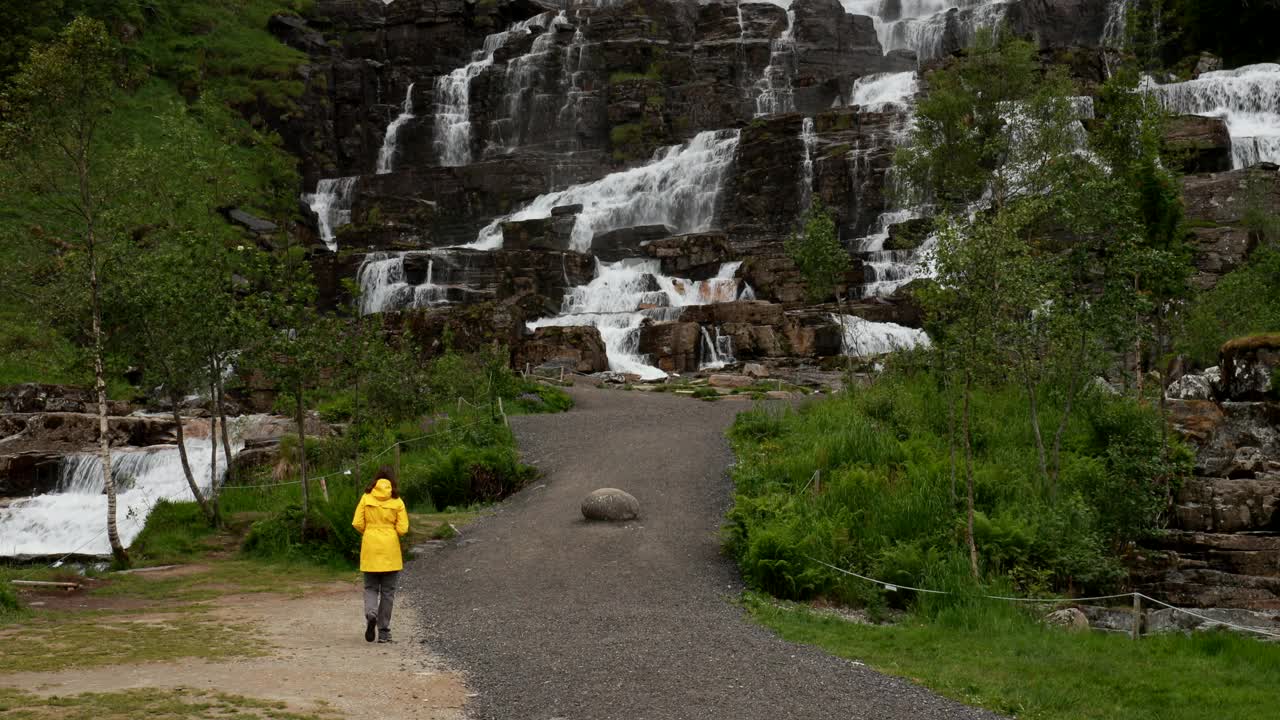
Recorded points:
(381, 519)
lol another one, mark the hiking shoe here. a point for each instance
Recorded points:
(369, 628)
(384, 636)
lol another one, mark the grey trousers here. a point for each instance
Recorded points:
(379, 596)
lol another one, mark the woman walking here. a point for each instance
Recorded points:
(381, 519)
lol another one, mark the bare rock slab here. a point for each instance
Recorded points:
(610, 505)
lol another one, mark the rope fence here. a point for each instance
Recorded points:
(1136, 597)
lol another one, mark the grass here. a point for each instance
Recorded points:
(58, 641)
(175, 704)
(1008, 663)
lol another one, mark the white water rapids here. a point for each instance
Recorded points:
(626, 293)
(1247, 99)
(74, 518)
(679, 188)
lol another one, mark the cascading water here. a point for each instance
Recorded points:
(384, 284)
(526, 105)
(773, 90)
(331, 203)
(809, 140)
(921, 25)
(387, 154)
(885, 91)
(452, 137)
(1247, 98)
(717, 350)
(679, 188)
(626, 293)
(73, 519)
(863, 338)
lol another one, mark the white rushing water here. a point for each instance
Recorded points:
(387, 154)
(717, 350)
(1247, 98)
(74, 518)
(384, 284)
(885, 91)
(773, 90)
(452, 132)
(524, 102)
(920, 25)
(864, 339)
(679, 188)
(626, 293)
(331, 203)
(809, 141)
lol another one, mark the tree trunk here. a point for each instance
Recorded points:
(186, 465)
(302, 459)
(213, 447)
(100, 383)
(222, 416)
(951, 437)
(1073, 387)
(1029, 382)
(968, 470)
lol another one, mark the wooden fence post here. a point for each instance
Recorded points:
(1137, 615)
(398, 476)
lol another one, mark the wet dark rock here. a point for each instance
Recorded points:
(627, 242)
(577, 349)
(1197, 144)
(672, 347)
(696, 256)
(253, 224)
(1251, 368)
(1216, 205)
(551, 233)
(909, 235)
(29, 473)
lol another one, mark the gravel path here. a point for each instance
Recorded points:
(553, 617)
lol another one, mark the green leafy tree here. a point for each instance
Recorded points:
(818, 254)
(52, 114)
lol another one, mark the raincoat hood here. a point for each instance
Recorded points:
(382, 490)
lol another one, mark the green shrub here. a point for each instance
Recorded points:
(329, 540)
(10, 605)
(173, 533)
(864, 481)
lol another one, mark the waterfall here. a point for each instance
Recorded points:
(331, 203)
(73, 519)
(1247, 98)
(809, 139)
(921, 25)
(773, 90)
(525, 104)
(384, 284)
(717, 351)
(679, 188)
(388, 151)
(864, 339)
(885, 91)
(1114, 32)
(572, 80)
(452, 136)
(626, 293)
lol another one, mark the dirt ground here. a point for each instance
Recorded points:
(315, 660)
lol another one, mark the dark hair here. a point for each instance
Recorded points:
(386, 472)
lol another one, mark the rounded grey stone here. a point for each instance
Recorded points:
(610, 504)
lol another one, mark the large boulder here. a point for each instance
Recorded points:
(578, 349)
(1197, 144)
(696, 256)
(627, 242)
(550, 233)
(1216, 208)
(1251, 368)
(672, 347)
(610, 505)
